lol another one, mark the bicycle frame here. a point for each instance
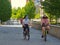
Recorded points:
(26, 34)
(45, 35)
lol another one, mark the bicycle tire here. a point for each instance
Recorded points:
(45, 37)
(26, 34)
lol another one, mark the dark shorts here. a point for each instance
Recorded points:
(26, 27)
(43, 25)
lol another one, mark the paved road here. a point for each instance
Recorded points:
(12, 35)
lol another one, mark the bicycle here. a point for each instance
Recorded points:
(45, 32)
(45, 35)
(26, 34)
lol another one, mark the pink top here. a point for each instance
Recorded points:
(45, 21)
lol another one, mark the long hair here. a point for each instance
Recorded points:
(25, 16)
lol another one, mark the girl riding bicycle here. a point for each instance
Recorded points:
(26, 25)
(45, 24)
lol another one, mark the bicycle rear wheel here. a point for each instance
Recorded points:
(28, 34)
(24, 35)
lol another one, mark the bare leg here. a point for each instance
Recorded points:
(43, 30)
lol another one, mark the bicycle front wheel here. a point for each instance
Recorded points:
(45, 37)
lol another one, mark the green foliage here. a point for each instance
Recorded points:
(18, 13)
(37, 16)
(5, 10)
(23, 13)
(52, 7)
(30, 9)
(14, 11)
(13, 16)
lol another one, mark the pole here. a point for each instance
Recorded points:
(41, 8)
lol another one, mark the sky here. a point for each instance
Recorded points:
(18, 3)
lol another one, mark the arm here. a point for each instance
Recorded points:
(23, 23)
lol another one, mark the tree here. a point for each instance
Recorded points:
(30, 9)
(18, 13)
(23, 12)
(5, 10)
(14, 11)
(52, 7)
(37, 16)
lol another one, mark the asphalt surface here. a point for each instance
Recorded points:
(12, 35)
